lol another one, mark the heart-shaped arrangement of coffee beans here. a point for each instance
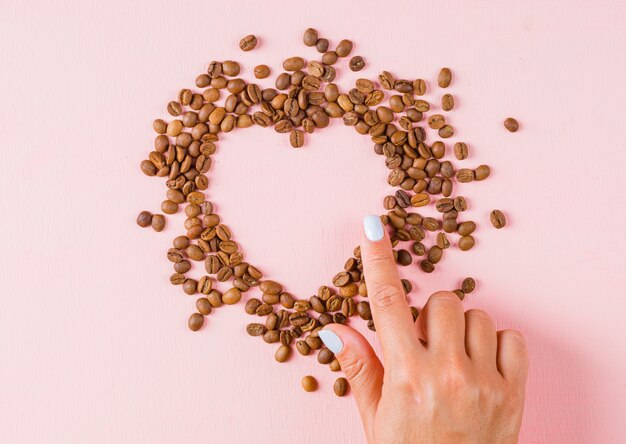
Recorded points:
(389, 111)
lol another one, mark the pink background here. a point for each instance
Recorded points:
(94, 345)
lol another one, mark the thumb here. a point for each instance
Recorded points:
(360, 364)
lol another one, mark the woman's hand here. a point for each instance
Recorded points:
(448, 378)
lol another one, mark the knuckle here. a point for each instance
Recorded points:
(514, 339)
(385, 294)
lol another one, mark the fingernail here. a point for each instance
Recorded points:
(331, 340)
(373, 228)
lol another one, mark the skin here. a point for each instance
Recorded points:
(450, 377)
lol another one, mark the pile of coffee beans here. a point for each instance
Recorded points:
(408, 132)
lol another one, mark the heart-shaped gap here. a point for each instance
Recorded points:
(296, 212)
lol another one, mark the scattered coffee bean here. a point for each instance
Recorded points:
(144, 219)
(322, 45)
(466, 242)
(341, 386)
(447, 102)
(309, 383)
(262, 71)
(283, 353)
(497, 219)
(468, 285)
(444, 78)
(248, 43)
(310, 37)
(158, 222)
(357, 63)
(196, 321)
(511, 124)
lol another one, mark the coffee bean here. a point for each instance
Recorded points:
(322, 45)
(271, 287)
(296, 138)
(144, 219)
(293, 64)
(309, 383)
(497, 219)
(436, 121)
(446, 131)
(177, 279)
(466, 228)
(447, 102)
(283, 353)
(427, 266)
(248, 43)
(344, 48)
(459, 293)
(435, 254)
(444, 78)
(158, 222)
(404, 258)
(203, 306)
(255, 329)
(341, 387)
(231, 296)
(357, 63)
(196, 321)
(466, 242)
(325, 356)
(334, 365)
(418, 248)
(482, 172)
(419, 87)
(264, 310)
(511, 124)
(420, 199)
(468, 285)
(310, 37)
(261, 71)
(442, 241)
(465, 175)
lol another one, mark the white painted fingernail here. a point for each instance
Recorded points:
(373, 228)
(331, 340)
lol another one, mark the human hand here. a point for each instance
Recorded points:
(448, 378)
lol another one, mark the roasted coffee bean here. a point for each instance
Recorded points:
(341, 387)
(293, 64)
(303, 348)
(466, 228)
(460, 150)
(283, 353)
(449, 225)
(190, 286)
(341, 279)
(468, 285)
(406, 286)
(144, 219)
(310, 37)
(231, 68)
(322, 45)
(325, 356)
(271, 287)
(446, 131)
(231, 296)
(158, 222)
(404, 258)
(497, 219)
(511, 124)
(442, 241)
(262, 71)
(248, 43)
(252, 305)
(466, 242)
(196, 321)
(204, 306)
(309, 383)
(255, 329)
(264, 310)
(418, 248)
(435, 254)
(344, 48)
(459, 293)
(420, 199)
(444, 78)
(436, 121)
(363, 310)
(174, 255)
(427, 266)
(465, 175)
(419, 87)
(357, 63)
(445, 204)
(447, 102)
(460, 204)
(482, 172)
(296, 138)
(334, 365)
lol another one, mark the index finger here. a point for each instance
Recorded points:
(390, 309)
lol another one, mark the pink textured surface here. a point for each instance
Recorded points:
(94, 341)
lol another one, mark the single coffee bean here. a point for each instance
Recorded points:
(196, 321)
(264, 310)
(158, 222)
(293, 64)
(357, 63)
(325, 356)
(447, 102)
(341, 387)
(255, 329)
(248, 43)
(465, 175)
(296, 138)
(460, 150)
(262, 71)
(364, 311)
(511, 124)
(497, 219)
(449, 225)
(252, 305)
(271, 287)
(404, 258)
(444, 78)
(466, 228)
(446, 131)
(177, 279)
(418, 249)
(466, 242)
(204, 306)
(344, 48)
(459, 293)
(419, 87)
(174, 255)
(435, 254)
(148, 168)
(322, 45)
(406, 286)
(482, 172)
(436, 121)
(215, 298)
(420, 199)
(442, 241)
(468, 285)
(427, 266)
(334, 365)
(460, 204)
(144, 219)
(231, 68)
(231, 296)
(310, 37)
(190, 286)
(309, 383)
(283, 353)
